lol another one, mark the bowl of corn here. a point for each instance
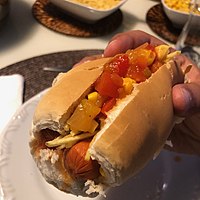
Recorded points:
(89, 10)
(178, 12)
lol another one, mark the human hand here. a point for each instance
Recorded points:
(185, 136)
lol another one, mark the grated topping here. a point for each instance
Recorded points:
(94, 188)
(48, 154)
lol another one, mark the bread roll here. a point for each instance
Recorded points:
(135, 129)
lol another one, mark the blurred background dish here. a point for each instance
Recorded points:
(88, 11)
(178, 11)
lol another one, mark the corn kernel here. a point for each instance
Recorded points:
(93, 96)
(128, 85)
(162, 51)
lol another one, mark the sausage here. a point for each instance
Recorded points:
(42, 137)
(76, 164)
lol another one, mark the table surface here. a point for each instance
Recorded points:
(22, 37)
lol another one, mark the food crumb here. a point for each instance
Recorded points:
(47, 154)
(94, 188)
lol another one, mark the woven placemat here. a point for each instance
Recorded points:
(161, 25)
(36, 79)
(53, 18)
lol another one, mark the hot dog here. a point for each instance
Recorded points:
(103, 121)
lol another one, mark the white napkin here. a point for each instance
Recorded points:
(11, 97)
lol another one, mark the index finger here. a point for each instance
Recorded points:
(128, 40)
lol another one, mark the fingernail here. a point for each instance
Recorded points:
(109, 50)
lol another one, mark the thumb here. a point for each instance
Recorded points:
(186, 98)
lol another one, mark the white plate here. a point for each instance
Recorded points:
(164, 178)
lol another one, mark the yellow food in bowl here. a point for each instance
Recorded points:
(180, 5)
(98, 4)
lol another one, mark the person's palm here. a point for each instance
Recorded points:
(185, 136)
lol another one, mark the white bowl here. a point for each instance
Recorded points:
(178, 18)
(83, 12)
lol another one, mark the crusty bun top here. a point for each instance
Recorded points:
(68, 89)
